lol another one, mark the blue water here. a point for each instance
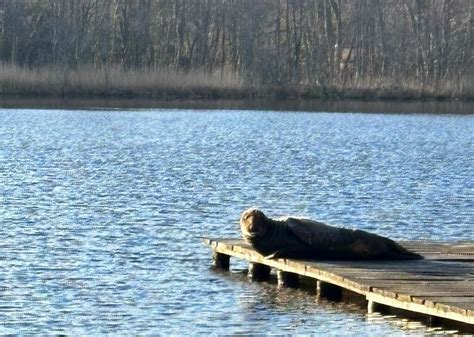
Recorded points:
(101, 212)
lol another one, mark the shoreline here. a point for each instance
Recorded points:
(458, 107)
(210, 93)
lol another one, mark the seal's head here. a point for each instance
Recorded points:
(253, 224)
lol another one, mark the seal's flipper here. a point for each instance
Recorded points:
(272, 256)
(281, 253)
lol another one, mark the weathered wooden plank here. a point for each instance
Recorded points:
(436, 267)
(405, 276)
(460, 304)
(451, 299)
(430, 246)
(420, 308)
(394, 274)
(446, 304)
(408, 293)
(461, 284)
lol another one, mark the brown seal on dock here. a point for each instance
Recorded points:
(308, 239)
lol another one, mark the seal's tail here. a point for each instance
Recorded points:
(401, 253)
(410, 256)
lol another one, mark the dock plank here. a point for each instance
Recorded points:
(440, 285)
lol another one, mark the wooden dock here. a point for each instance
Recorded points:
(440, 286)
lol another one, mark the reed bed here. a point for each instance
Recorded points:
(116, 82)
(163, 84)
(391, 88)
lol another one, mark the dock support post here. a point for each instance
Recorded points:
(328, 291)
(220, 260)
(433, 321)
(373, 307)
(258, 271)
(287, 280)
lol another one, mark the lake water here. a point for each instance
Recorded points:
(101, 212)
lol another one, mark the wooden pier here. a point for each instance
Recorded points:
(439, 286)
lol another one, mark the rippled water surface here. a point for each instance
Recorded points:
(101, 212)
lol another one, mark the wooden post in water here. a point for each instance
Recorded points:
(328, 290)
(220, 260)
(371, 306)
(433, 321)
(374, 307)
(287, 280)
(258, 272)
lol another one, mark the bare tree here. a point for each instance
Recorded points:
(323, 43)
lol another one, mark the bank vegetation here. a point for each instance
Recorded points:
(408, 49)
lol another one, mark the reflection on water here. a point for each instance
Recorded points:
(101, 212)
(399, 107)
(298, 310)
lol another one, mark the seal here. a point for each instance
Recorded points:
(298, 238)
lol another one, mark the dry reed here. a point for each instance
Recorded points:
(157, 83)
(114, 81)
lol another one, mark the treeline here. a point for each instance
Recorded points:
(314, 47)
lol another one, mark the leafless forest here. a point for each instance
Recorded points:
(238, 48)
